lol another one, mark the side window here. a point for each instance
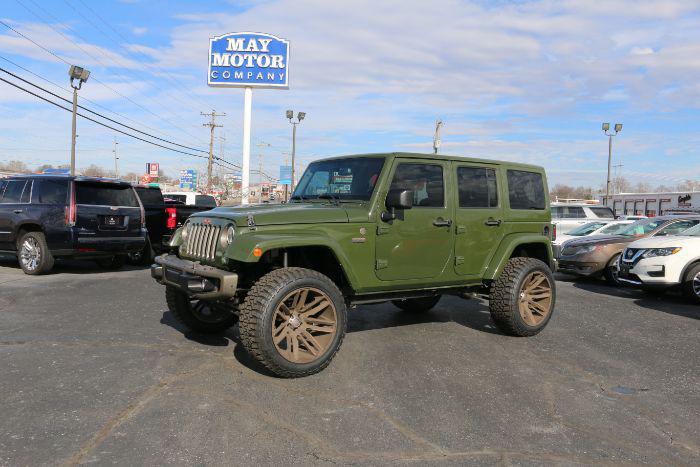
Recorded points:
(525, 190)
(477, 187)
(13, 191)
(425, 180)
(676, 228)
(27, 193)
(3, 184)
(48, 191)
(576, 212)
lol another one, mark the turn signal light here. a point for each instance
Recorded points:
(257, 252)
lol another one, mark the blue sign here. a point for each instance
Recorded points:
(56, 171)
(188, 179)
(285, 175)
(248, 59)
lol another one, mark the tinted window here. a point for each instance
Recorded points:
(105, 194)
(50, 191)
(149, 196)
(27, 193)
(525, 190)
(568, 212)
(477, 187)
(205, 201)
(642, 227)
(13, 191)
(426, 182)
(676, 228)
(179, 198)
(3, 183)
(603, 212)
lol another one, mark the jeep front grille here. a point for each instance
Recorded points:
(201, 241)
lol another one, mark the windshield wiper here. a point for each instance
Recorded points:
(331, 196)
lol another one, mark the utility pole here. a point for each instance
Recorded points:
(81, 75)
(436, 137)
(116, 158)
(606, 128)
(212, 124)
(261, 145)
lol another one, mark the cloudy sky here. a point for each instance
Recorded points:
(525, 80)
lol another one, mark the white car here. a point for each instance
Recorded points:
(568, 216)
(601, 227)
(664, 262)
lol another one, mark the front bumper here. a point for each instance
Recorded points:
(651, 271)
(579, 268)
(199, 281)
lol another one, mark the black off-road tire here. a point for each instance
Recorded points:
(45, 261)
(505, 296)
(111, 263)
(610, 273)
(417, 305)
(257, 314)
(689, 290)
(180, 306)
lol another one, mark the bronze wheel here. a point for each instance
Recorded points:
(522, 298)
(293, 321)
(304, 325)
(535, 301)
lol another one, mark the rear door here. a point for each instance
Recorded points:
(107, 209)
(419, 242)
(478, 217)
(13, 204)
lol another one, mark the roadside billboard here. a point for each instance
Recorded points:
(285, 175)
(152, 169)
(248, 59)
(188, 179)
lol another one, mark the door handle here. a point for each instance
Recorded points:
(18, 211)
(493, 222)
(440, 222)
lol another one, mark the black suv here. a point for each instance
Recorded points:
(47, 216)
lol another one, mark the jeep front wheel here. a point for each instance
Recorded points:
(293, 321)
(522, 298)
(204, 317)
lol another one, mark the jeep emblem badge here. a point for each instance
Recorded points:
(206, 222)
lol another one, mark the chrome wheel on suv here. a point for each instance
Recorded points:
(33, 253)
(30, 254)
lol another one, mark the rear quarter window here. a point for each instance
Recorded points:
(105, 194)
(150, 196)
(205, 201)
(603, 212)
(50, 191)
(526, 190)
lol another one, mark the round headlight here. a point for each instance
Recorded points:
(227, 235)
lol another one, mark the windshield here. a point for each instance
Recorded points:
(613, 229)
(352, 178)
(641, 227)
(586, 229)
(692, 232)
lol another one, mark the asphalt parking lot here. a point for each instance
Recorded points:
(95, 370)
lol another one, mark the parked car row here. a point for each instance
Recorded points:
(653, 254)
(45, 217)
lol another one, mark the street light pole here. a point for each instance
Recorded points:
(300, 117)
(116, 158)
(606, 129)
(81, 75)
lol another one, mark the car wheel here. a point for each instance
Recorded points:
(522, 299)
(112, 263)
(417, 305)
(293, 321)
(33, 254)
(612, 271)
(204, 317)
(691, 283)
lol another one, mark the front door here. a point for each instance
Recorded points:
(418, 243)
(478, 217)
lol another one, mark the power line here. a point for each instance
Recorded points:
(99, 114)
(98, 122)
(93, 57)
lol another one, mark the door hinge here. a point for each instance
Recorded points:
(459, 260)
(382, 263)
(461, 229)
(382, 229)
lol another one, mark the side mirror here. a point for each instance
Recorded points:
(397, 199)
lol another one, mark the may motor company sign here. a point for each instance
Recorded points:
(248, 59)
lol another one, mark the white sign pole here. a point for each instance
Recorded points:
(245, 176)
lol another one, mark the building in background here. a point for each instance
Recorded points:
(653, 204)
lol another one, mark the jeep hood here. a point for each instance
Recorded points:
(280, 214)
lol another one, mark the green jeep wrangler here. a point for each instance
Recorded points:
(405, 228)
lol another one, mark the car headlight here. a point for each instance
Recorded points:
(654, 252)
(227, 235)
(185, 228)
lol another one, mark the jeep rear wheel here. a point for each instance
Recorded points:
(417, 305)
(522, 298)
(293, 321)
(204, 317)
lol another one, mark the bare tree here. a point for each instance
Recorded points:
(94, 171)
(15, 166)
(689, 185)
